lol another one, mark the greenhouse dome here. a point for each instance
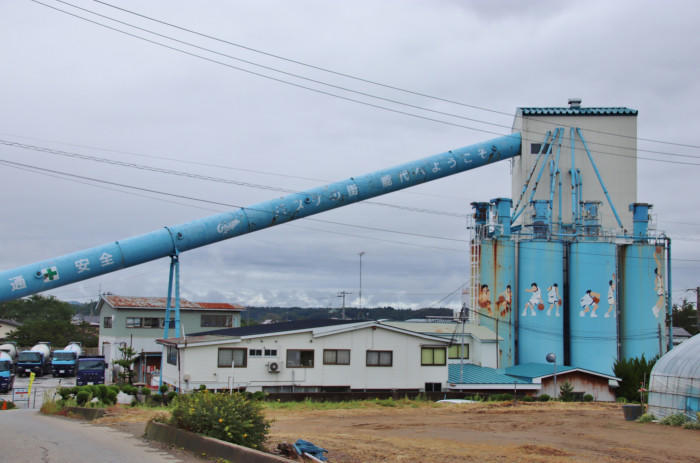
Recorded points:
(674, 386)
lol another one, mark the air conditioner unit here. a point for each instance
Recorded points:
(273, 367)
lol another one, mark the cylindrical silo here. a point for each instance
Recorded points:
(643, 300)
(540, 300)
(495, 300)
(593, 305)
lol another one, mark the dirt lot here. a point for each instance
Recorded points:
(499, 432)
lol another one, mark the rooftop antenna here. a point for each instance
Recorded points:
(343, 294)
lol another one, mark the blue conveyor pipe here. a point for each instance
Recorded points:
(169, 241)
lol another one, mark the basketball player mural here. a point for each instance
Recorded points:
(535, 300)
(658, 283)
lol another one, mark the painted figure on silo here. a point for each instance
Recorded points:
(485, 298)
(611, 298)
(658, 283)
(504, 302)
(553, 299)
(535, 300)
(589, 303)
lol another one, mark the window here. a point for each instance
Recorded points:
(232, 357)
(219, 321)
(379, 358)
(453, 351)
(270, 352)
(172, 355)
(150, 322)
(171, 325)
(107, 323)
(300, 358)
(133, 322)
(433, 387)
(336, 357)
(255, 352)
(432, 356)
(535, 148)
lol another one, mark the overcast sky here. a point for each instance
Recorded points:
(71, 85)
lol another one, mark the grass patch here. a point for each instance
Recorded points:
(309, 404)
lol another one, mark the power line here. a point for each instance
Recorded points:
(360, 79)
(327, 84)
(209, 178)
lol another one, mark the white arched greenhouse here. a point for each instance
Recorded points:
(674, 386)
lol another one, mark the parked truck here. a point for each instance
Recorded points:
(37, 360)
(64, 361)
(10, 348)
(91, 370)
(7, 372)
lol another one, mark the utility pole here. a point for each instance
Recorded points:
(343, 294)
(361, 253)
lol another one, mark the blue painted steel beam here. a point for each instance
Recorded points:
(600, 179)
(89, 263)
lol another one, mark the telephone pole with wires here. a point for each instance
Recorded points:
(343, 294)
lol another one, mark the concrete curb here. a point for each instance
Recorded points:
(207, 445)
(86, 413)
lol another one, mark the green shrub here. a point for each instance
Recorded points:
(101, 392)
(587, 398)
(258, 395)
(163, 388)
(621, 400)
(170, 397)
(692, 425)
(229, 417)
(111, 397)
(145, 391)
(65, 392)
(82, 397)
(646, 418)
(155, 400)
(528, 398)
(679, 419)
(543, 397)
(202, 387)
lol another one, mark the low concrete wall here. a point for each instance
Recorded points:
(208, 446)
(87, 413)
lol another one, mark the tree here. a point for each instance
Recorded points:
(45, 319)
(686, 316)
(127, 360)
(633, 373)
(566, 392)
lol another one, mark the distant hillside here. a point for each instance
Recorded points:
(254, 315)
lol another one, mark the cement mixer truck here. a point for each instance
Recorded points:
(64, 361)
(10, 348)
(37, 360)
(7, 373)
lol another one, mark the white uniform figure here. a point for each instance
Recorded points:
(611, 298)
(535, 300)
(553, 299)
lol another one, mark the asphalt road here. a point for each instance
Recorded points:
(34, 438)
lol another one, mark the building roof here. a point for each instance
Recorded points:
(446, 329)
(474, 374)
(318, 327)
(568, 111)
(680, 332)
(5, 321)
(542, 370)
(159, 303)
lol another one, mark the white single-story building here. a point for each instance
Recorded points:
(308, 356)
(477, 344)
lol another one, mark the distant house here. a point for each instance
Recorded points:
(92, 320)
(7, 327)
(478, 344)
(532, 379)
(308, 356)
(139, 321)
(680, 334)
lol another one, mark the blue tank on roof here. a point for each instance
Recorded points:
(593, 305)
